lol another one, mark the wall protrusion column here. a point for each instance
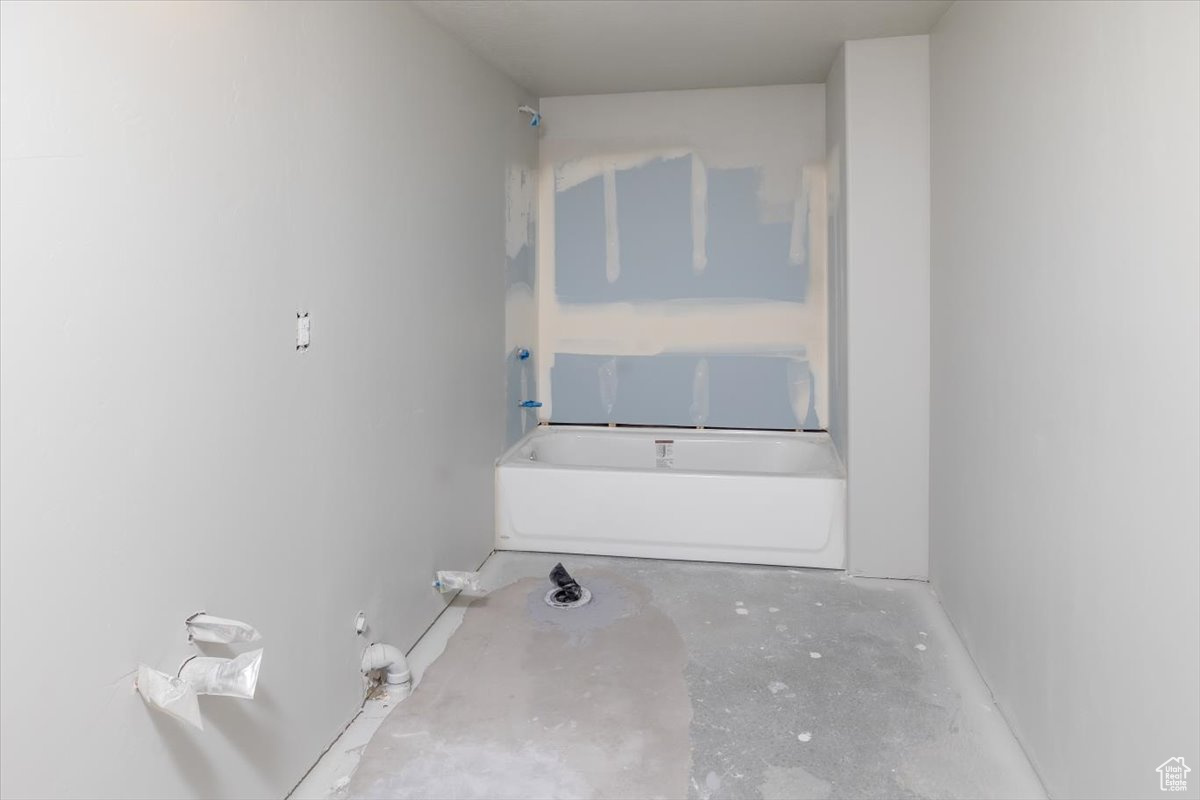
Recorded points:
(880, 270)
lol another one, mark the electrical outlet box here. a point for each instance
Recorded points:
(303, 331)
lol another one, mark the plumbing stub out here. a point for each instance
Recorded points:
(567, 593)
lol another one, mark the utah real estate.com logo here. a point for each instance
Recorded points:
(1172, 775)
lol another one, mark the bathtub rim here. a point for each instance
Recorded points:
(838, 473)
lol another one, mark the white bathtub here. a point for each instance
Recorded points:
(740, 496)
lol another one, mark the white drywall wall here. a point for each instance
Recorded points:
(835, 171)
(178, 179)
(884, 267)
(1066, 449)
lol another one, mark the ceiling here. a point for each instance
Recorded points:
(564, 47)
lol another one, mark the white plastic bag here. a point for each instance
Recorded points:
(450, 581)
(207, 628)
(228, 677)
(169, 694)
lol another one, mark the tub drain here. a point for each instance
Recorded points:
(567, 593)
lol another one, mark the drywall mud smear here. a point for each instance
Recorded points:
(677, 226)
(699, 215)
(579, 703)
(699, 409)
(800, 388)
(608, 386)
(520, 310)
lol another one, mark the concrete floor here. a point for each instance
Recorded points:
(684, 679)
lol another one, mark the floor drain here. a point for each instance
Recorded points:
(583, 600)
(567, 593)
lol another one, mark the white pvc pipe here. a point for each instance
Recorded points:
(535, 118)
(389, 660)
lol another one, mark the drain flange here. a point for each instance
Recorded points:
(567, 593)
(585, 597)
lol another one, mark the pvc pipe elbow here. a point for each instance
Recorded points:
(389, 660)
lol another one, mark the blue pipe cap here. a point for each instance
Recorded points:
(531, 404)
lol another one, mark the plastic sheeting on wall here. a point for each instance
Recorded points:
(170, 695)
(204, 627)
(227, 677)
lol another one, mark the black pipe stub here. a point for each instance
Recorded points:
(567, 593)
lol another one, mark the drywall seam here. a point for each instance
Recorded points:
(699, 409)
(800, 220)
(817, 345)
(699, 214)
(520, 309)
(544, 289)
(800, 386)
(518, 210)
(612, 233)
(521, 317)
(607, 374)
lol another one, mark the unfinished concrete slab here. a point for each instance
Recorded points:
(700, 680)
